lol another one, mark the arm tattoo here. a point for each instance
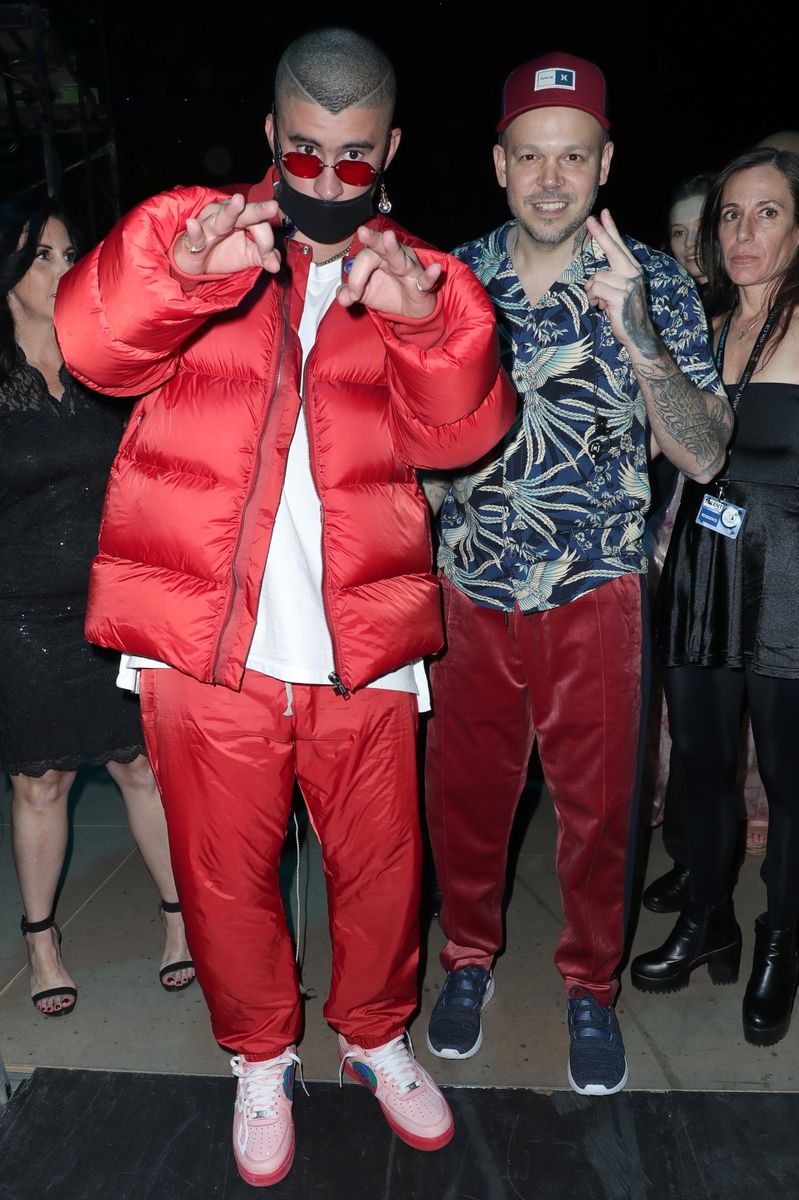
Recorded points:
(635, 316)
(683, 416)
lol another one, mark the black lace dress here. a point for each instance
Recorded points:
(59, 703)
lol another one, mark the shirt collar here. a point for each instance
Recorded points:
(585, 264)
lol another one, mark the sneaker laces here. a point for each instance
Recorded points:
(590, 1019)
(466, 987)
(395, 1059)
(263, 1081)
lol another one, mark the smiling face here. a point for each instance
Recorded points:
(684, 220)
(357, 134)
(33, 298)
(758, 228)
(552, 162)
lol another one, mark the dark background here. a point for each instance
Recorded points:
(189, 84)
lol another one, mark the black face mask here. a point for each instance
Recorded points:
(325, 221)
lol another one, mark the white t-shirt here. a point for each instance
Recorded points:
(291, 641)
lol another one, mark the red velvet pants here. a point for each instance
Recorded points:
(226, 763)
(570, 677)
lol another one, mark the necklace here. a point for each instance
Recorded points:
(750, 326)
(333, 257)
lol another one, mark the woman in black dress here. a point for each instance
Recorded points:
(59, 706)
(728, 619)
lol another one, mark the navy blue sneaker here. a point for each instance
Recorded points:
(597, 1066)
(455, 1029)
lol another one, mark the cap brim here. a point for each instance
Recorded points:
(560, 103)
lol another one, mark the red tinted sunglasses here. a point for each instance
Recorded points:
(355, 172)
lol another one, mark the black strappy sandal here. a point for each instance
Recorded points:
(66, 990)
(185, 964)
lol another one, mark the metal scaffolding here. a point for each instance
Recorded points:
(54, 132)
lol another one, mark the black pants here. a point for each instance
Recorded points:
(706, 705)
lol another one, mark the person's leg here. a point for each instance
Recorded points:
(774, 709)
(584, 662)
(224, 762)
(770, 991)
(668, 892)
(705, 709)
(479, 741)
(147, 821)
(39, 832)
(356, 766)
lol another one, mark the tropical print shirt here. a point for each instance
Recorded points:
(558, 507)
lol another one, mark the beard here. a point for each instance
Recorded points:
(549, 232)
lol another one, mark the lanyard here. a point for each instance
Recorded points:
(754, 357)
(749, 370)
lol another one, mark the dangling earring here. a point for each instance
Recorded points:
(383, 203)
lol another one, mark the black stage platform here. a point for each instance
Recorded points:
(98, 1135)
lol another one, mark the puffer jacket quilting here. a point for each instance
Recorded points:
(196, 483)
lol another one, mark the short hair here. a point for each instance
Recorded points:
(722, 294)
(22, 220)
(337, 69)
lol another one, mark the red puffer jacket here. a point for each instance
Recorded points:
(195, 486)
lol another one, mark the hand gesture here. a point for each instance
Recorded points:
(619, 289)
(388, 276)
(228, 237)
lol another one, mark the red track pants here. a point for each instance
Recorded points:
(226, 763)
(570, 676)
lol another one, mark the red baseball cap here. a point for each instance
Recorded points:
(555, 81)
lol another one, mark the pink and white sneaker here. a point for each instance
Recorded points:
(263, 1127)
(411, 1103)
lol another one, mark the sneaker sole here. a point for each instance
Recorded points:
(447, 1051)
(411, 1139)
(261, 1178)
(598, 1089)
(421, 1143)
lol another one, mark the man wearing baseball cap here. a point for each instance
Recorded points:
(542, 558)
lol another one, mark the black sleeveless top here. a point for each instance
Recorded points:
(736, 603)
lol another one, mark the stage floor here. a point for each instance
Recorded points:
(102, 1135)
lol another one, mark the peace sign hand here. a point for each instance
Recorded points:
(227, 237)
(619, 289)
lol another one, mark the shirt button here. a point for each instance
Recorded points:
(306, 249)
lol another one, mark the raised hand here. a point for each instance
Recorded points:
(227, 237)
(619, 289)
(388, 276)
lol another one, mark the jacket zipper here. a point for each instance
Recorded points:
(339, 687)
(253, 485)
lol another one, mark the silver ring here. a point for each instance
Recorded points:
(194, 249)
(420, 289)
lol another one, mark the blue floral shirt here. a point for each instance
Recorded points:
(558, 508)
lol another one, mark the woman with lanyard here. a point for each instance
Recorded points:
(728, 607)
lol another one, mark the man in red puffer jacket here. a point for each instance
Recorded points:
(264, 532)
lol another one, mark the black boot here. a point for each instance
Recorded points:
(668, 893)
(701, 935)
(772, 985)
